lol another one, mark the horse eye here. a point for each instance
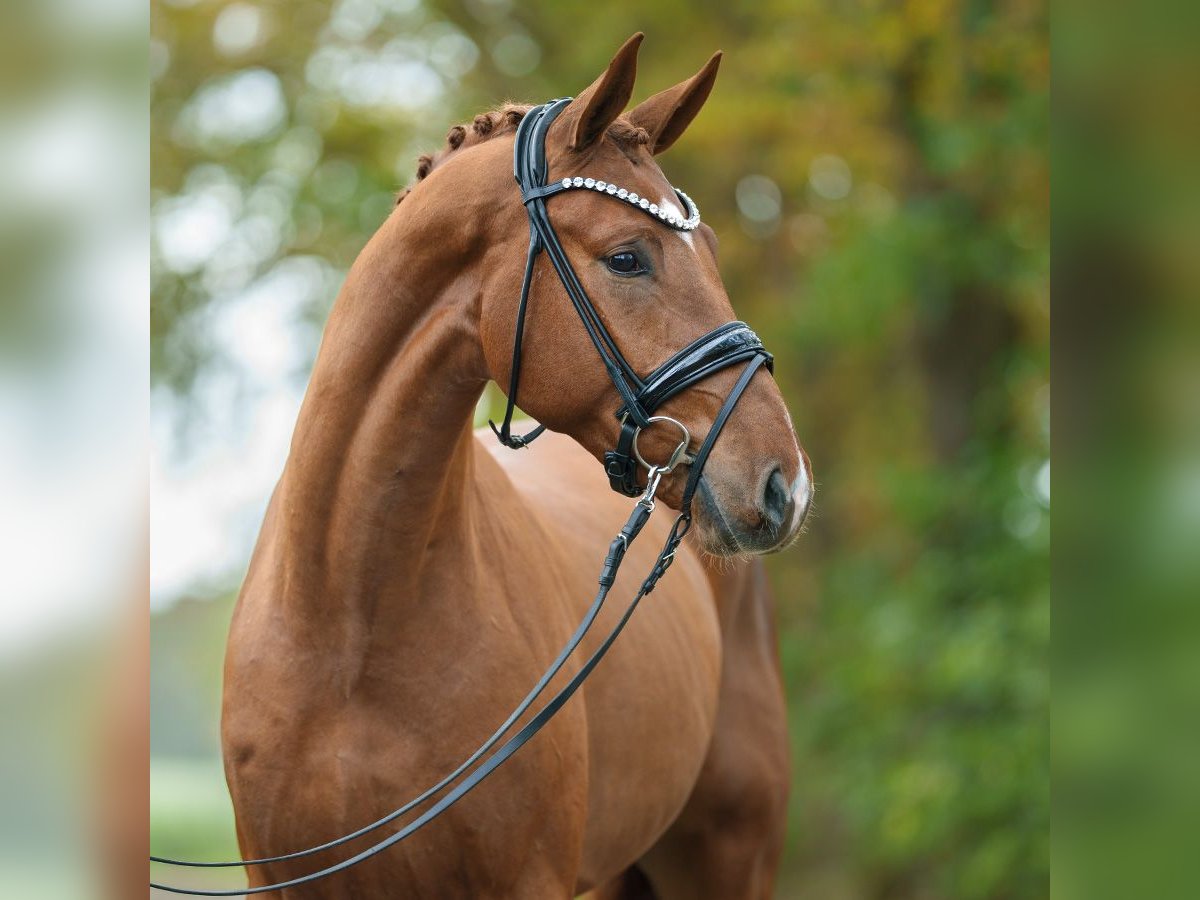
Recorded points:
(624, 263)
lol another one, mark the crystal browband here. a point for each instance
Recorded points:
(665, 216)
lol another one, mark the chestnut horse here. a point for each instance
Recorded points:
(412, 580)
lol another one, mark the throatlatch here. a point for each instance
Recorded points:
(725, 346)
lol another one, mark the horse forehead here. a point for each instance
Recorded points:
(636, 172)
(652, 184)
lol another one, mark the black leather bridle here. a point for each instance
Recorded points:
(722, 347)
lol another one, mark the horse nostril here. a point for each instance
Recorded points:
(777, 502)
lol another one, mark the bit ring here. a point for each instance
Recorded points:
(679, 455)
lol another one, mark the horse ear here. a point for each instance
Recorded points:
(666, 115)
(605, 99)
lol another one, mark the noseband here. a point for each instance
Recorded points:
(722, 347)
(725, 346)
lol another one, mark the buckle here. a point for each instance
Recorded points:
(622, 473)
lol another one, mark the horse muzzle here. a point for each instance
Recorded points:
(769, 522)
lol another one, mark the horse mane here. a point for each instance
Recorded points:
(504, 119)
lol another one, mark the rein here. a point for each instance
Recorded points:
(722, 347)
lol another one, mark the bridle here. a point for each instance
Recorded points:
(720, 348)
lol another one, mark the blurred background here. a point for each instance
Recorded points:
(74, 356)
(878, 176)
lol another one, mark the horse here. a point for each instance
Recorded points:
(412, 580)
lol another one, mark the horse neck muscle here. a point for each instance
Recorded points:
(382, 458)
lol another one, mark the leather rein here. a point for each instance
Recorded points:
(720, 348)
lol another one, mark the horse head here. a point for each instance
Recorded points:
(655, 289)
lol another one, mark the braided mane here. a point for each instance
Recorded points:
(504, 119)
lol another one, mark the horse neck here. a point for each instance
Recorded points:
(381, 460)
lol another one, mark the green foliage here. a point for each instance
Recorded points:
(876, 174)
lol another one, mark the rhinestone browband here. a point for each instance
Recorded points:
(663, 215)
